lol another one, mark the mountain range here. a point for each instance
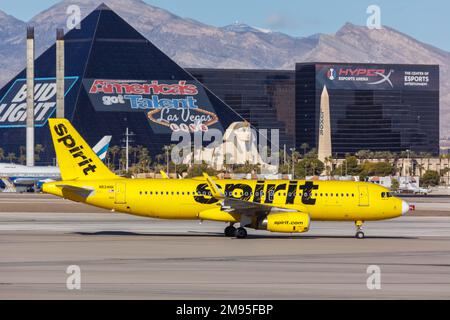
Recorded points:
(194, 44)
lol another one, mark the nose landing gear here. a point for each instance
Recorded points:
(359, 234)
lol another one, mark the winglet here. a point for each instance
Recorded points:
(164, 175)
(215, 191)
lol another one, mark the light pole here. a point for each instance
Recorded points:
(127, 141)
(293, 165)
(409, 164)
(167, 159)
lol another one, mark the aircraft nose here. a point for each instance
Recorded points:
(405, 207)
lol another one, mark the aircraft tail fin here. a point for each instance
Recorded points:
(101, 148)
(76, 159)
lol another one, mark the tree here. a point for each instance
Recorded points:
(363, 154)
(246, 168)
(2, 154)
(11, 157)
(144, 159)
(197, 170)
(430, 178)
(395, 185)
(376, 169)
(123, 159)
(309, 166)
(304, 146)
(114, 151)
(22, 154)
(348, 167)
(38, 149)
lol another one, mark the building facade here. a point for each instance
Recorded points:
(379, 107)
(117, 79)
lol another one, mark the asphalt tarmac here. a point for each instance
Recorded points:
(127, 257)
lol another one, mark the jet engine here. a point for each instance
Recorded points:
(285, 222)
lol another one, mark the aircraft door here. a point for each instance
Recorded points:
(363, 196)
(120, 193)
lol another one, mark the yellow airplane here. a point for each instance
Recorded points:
(275, 205)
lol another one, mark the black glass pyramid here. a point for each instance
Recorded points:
(115, 78)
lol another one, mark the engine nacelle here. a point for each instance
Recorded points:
(286, 222)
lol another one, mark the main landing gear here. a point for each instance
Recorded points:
(231, 231)
(359, 234)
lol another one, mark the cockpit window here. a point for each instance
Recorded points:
(386, 194)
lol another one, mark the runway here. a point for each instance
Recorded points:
(127, 257)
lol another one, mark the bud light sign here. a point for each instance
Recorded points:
(169, 105)
(13, 105)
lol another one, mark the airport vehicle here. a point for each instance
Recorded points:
(274, 205)
(37, 175)
(415, 190)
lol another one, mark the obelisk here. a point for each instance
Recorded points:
(30, 98)
(324, 145)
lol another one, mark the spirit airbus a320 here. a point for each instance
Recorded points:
(275, 205)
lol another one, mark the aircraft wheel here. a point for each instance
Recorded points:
(230, 231)
(359, 235)
(241, 233)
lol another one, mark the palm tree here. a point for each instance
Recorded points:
(38, 149)
(362, 155)
(144, 159)
(114, 151)
(304, 146)
(11, 157)
(328, 168)
(136, 150)
(22, 154)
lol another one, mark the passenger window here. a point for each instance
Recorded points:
(383, 194)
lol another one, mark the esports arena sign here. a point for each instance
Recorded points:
(13, 104)
(378, 77)
(170, 105)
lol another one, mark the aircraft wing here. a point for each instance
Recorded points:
(231, 204)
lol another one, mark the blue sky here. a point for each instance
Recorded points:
(427, 21)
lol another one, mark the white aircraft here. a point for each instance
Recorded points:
(29, 176)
